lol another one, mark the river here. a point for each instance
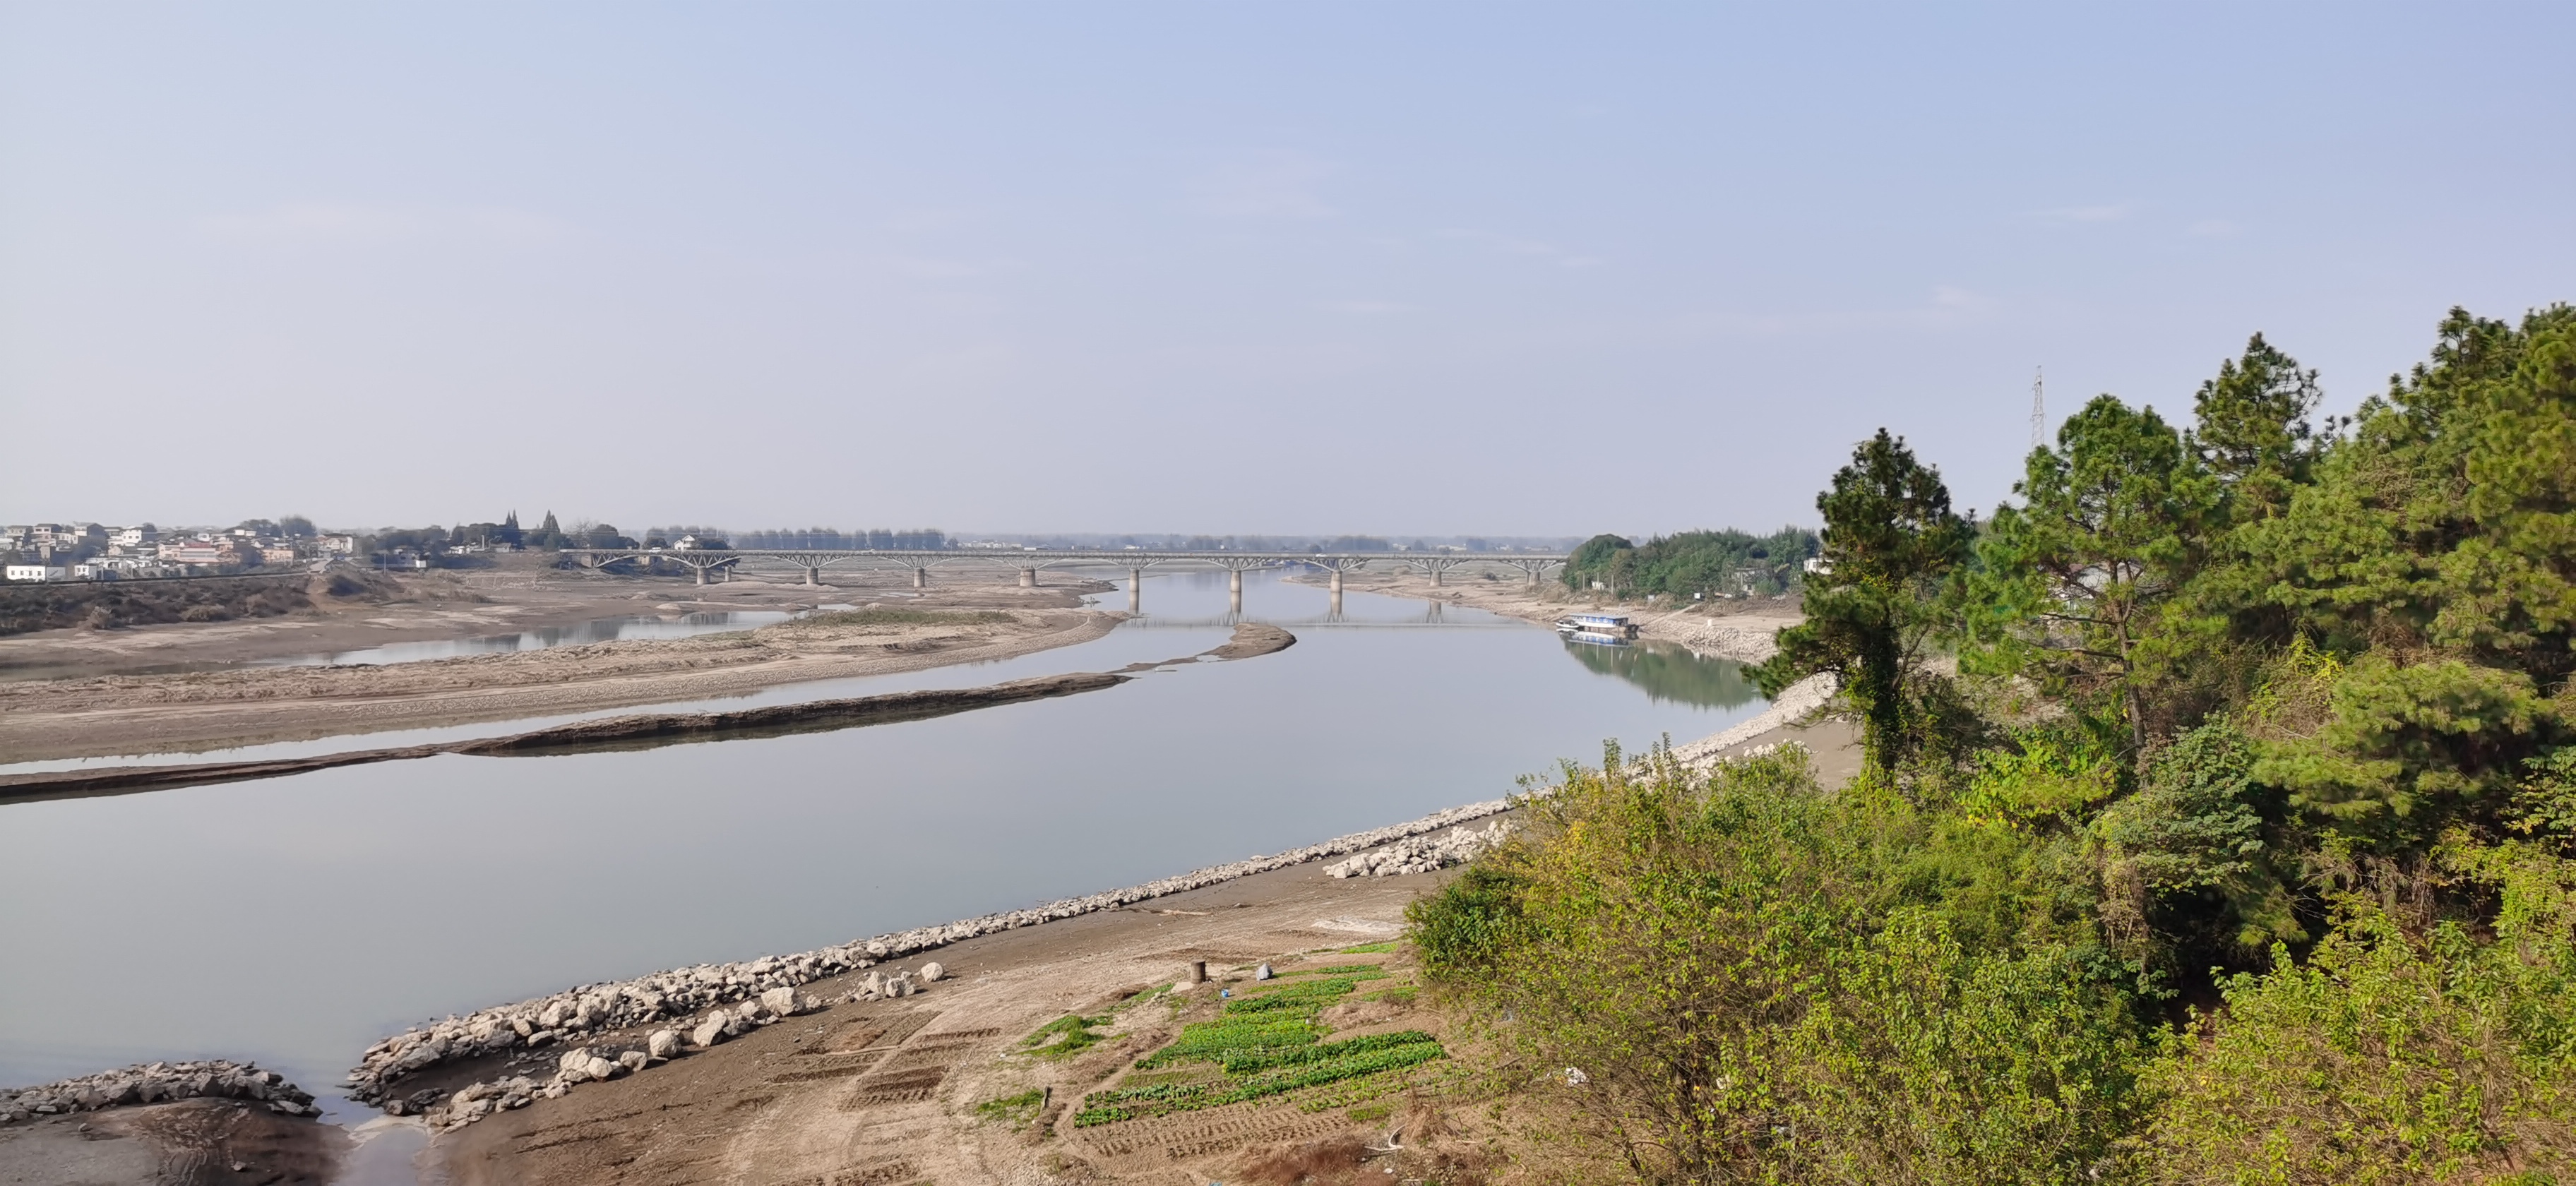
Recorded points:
(296, 920)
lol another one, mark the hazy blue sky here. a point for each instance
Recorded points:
(1207, 266)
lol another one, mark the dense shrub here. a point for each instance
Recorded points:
(1730, 964)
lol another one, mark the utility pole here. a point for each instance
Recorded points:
(2038, 410)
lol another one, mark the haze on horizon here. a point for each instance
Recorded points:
(1406, 269)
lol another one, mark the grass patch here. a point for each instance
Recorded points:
(1262, 1046)
(1065, 1036)
(1297, 995)
(1365, 1113)
(1016, 1109)
(1333, 970)
(1370, 948)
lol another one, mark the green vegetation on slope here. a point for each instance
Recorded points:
(2239, 847)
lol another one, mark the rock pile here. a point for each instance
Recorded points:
(152, 1083)
(1422, 854)
(599, 1062)
(574, 1017)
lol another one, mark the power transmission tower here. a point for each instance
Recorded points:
(2038, 410)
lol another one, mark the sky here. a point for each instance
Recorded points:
(1400, 268)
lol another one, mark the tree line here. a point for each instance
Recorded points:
(1692, 565)
(2217, 821)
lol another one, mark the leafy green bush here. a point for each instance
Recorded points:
(1728, 963)
(2383, 1059)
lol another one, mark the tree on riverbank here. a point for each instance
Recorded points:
(1891, 542)
(2250, 855)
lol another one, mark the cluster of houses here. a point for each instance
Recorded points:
(91, 552)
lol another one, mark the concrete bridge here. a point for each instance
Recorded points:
(722, 561)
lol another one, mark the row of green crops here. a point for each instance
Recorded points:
(1331, 1064)
(1217, 1041)
(1300, 996)
(1264, 1045)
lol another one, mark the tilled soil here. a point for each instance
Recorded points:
(885, 1092)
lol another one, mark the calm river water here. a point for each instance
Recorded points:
(296, 920)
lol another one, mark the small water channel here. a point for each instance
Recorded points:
(296, 920)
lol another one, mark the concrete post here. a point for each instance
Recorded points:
(921, 577)
(1234, 591)
(1198, 971)
(1028, 578)
(1135, 590)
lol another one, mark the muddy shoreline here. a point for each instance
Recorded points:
(640, 731)
(1741, 630)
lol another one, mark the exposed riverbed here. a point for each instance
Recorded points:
(296, 920)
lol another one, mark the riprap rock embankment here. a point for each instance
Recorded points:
(152, 1083)
(575, 1017)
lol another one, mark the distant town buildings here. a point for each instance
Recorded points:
(94, 552)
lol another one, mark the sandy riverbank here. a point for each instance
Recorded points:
(380, 609)
(890, 1090)
(126, 714)
(640, 731)
(1738, 630)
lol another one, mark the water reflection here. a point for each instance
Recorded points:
(1670, 673)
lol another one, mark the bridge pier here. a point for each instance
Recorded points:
(701, 571)
(1234, 591)
(1028, 578)
(1135, 590)
(921, 578)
